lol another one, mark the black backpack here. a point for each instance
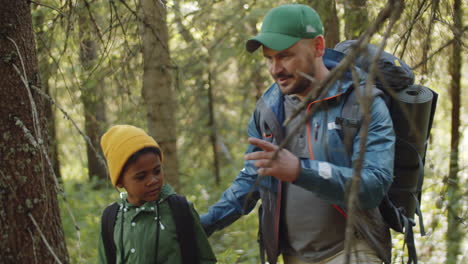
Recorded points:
(184, 221)
(412, 109)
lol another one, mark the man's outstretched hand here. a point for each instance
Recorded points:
(285, 167)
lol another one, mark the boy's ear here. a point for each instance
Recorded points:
(119, 183)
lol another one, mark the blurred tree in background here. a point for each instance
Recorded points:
(179, 69)
(91, 85)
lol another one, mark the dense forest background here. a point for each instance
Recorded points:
(179, 69)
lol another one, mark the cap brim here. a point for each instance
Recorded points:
(274, 41)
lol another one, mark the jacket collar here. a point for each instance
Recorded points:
(166, 191)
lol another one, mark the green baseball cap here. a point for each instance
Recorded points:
(285, 25)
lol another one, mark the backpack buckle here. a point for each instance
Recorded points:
(347, 122)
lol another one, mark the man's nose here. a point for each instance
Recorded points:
(276, 67)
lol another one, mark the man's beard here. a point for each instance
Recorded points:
(301, 84)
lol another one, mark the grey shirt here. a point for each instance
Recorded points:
(312, 229)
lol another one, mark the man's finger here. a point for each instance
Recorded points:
(265, 145)
(258, 155)
(264, 171)
(264, 163)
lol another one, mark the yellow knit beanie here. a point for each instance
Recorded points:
(122, 141)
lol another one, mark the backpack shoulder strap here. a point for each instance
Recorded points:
(107, 231)
(183, 219)
(269, 121)
(351, 116)
(261, 245)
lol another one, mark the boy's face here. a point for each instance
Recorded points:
(143, 179)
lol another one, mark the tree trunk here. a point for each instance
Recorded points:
(327, 11)
(46, 70)
(29, 213)
(454, 196)
(213, 131)
(356, 19)
(157, 89)
(256, 78)
(428, 39)
(92, 94)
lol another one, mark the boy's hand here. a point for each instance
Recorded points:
(285, 167)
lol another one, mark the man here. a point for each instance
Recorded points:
(303, 215)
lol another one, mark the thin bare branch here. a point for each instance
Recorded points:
(445, 45)
(96, 26)
(48, 6)
(365, 102)
(156, 35)
(33, 240)
(67, 116)
(406, 36)
(44, 238)
(427, 41)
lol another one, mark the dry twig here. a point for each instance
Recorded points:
(353, 199)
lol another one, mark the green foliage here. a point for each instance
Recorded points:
(213, 46)
(86, 204)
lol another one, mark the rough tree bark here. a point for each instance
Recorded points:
(92, 93)
(356, 19)
(158, 91)
(327, 11)
(454, 196)
(29, 213)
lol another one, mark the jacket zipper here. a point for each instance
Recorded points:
(309, 130)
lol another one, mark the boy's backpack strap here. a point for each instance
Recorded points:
(107, 231)
(184, 221)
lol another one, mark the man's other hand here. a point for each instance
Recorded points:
(285, 167)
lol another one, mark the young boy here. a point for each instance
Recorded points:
(148, 224)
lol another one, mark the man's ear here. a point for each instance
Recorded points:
(319, 45)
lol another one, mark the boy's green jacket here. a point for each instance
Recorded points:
(139, 234)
